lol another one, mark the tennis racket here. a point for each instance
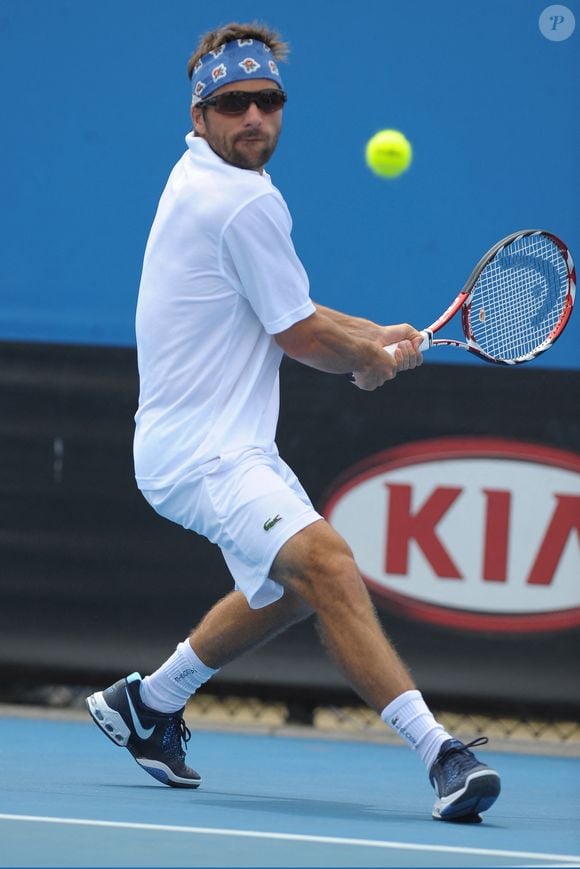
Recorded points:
(516, 302)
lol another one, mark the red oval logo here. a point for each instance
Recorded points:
(476, 533)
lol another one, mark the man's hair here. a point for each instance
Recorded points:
(214, 38)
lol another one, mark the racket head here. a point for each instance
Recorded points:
(519, 297)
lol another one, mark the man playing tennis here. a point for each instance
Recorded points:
(223, 296)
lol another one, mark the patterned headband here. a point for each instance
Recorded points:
(232, 61)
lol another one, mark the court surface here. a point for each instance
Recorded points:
(69, 797)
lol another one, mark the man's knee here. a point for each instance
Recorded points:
(318, 564)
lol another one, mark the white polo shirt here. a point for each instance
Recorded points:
(220, 279)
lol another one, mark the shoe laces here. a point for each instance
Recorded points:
(176, 737)
(185, 732)
(459, 749)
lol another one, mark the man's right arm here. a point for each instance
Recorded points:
(320, 342)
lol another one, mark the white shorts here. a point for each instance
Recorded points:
(249, 504)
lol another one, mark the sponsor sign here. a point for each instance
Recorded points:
(475, 533)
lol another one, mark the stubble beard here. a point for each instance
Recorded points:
(248, 157)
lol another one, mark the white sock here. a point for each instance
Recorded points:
(411, 718)
(169, 688)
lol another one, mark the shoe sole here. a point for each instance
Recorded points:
(110, 721)
(112, 724)
(479, 794)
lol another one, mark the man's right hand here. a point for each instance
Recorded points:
(386, 365)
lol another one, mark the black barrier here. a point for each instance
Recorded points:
(93, 584)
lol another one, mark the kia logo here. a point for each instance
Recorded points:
(477, 533)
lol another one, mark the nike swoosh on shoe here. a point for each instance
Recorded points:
(142, 732)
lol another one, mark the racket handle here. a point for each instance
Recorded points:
(426, 343)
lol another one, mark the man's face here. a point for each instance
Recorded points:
(246, 141)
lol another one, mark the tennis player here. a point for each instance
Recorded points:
(223, 296)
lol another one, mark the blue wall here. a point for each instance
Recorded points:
(95, 106)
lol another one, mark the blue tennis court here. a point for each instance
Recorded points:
(70, 798)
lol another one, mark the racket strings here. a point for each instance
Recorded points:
(519, 297)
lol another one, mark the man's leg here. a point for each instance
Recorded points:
(145, 716)
(318, 565)
(231, 628)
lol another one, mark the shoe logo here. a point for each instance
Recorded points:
(269, 523)
(142, 732)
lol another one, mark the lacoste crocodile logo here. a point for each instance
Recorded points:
(269, 523)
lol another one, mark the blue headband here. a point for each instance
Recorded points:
(237, 60)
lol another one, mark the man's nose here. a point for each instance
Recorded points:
(253, 115)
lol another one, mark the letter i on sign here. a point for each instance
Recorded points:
(496, 535)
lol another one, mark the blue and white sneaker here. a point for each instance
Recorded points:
(464, 786)
(155, 739)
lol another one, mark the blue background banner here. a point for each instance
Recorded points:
(95, 103)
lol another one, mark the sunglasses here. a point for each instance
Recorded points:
(238, 102)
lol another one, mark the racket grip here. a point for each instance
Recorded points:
(425, 343)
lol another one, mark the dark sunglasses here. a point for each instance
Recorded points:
(238, 102)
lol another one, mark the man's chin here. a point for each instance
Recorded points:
(250, 158)
(251, 153)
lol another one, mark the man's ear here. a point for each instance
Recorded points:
(197, 121)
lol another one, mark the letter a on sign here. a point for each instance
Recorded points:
(565, 520)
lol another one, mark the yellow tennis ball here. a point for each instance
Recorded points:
(388, 153)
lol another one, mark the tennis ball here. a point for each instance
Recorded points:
(388, 153)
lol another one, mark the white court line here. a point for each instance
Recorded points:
(293, 837)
